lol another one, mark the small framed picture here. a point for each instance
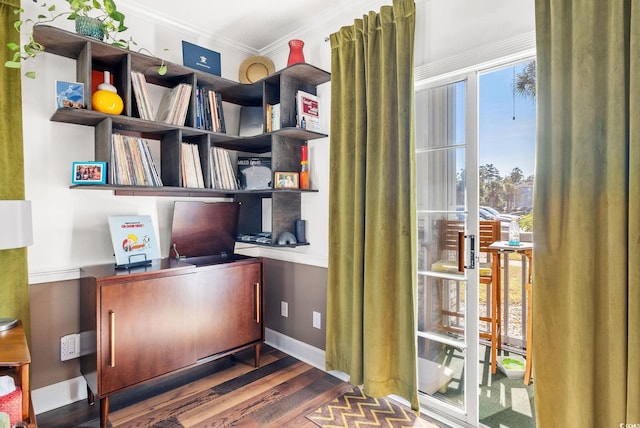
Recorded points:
(89, 173)
(286, 180)
(69, 94)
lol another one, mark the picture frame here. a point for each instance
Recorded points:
(69, 94)
(89, 173)
(286, 180)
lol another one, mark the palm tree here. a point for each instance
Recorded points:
(524, 83)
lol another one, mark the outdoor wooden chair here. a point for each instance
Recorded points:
(451, 242)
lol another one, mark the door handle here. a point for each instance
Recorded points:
(471, 249)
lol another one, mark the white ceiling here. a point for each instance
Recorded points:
(253, 24)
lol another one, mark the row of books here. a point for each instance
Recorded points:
(273, 117)
(174, 104)
(222, 172)
(209, 112)
(131, 162)
(141, 93)
(191, 167)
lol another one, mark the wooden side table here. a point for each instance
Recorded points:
(525, 248)
(14, 353)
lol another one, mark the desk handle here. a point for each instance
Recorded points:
(258, 301)
(112, 339)
(472, 251)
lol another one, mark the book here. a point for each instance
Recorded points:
(131, 163)
(250, 121)
(141, 94)
(174, 105)
(273, 117)
(191, 167)
(200, 58)
(307, 111)
(223, 176)
(134, 240)
(254, 173)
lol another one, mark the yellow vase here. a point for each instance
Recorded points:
(107, 102)
(106, 98)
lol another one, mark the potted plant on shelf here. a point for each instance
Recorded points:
(99, 19)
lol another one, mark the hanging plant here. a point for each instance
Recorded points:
(110, 25)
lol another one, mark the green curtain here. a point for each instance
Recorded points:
(371, 332)
(586, 290)
(14, 288)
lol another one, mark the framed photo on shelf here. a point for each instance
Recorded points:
(69, 94)
(286, 180)
(89, 173)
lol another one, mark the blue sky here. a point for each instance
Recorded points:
(504, 142)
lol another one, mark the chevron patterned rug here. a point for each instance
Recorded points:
(355, 409)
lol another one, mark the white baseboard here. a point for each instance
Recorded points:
(300, 350)
(69, 391)
(59, 394)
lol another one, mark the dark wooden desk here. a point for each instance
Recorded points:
(14, 353)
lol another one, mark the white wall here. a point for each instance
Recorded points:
(70, 226)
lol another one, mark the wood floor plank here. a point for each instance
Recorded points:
(297, 418)
(261, 408)
(162, 404)
(235, 397)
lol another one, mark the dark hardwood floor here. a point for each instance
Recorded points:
(227, 392)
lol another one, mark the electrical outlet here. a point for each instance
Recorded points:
(317, 320)
(284, 309)
(69, 347)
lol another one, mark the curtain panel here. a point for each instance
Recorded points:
(371, 332)
(14, 291)
(586, 289)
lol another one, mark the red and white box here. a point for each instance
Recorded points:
(11, 404)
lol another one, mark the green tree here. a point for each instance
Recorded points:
(491, 186)
(524, 83)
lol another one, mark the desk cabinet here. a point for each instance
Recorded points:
(229, 307)
(146, 322)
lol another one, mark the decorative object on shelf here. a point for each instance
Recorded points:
(105, 11)
(304, 168)
(89, 172)
(255, 68)
(90, 27)
(106, 98)
(307, 111)
(254, 173)
(15, 232)
(286, 180)
(301, 226)
(200, 58)
(295, 52)
(69, 94)
(134, 240)
(287, 238)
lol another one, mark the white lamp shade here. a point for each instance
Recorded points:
(15, 224)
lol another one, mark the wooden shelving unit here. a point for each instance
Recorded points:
(283, 145)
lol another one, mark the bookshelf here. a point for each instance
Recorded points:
(283, 145)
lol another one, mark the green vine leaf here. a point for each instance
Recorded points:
(12, 64)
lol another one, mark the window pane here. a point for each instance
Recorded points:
(440, 116)
(441, 371)
(440, 180)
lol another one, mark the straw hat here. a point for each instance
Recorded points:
(255, 68)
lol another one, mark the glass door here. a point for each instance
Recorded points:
(447, 217)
